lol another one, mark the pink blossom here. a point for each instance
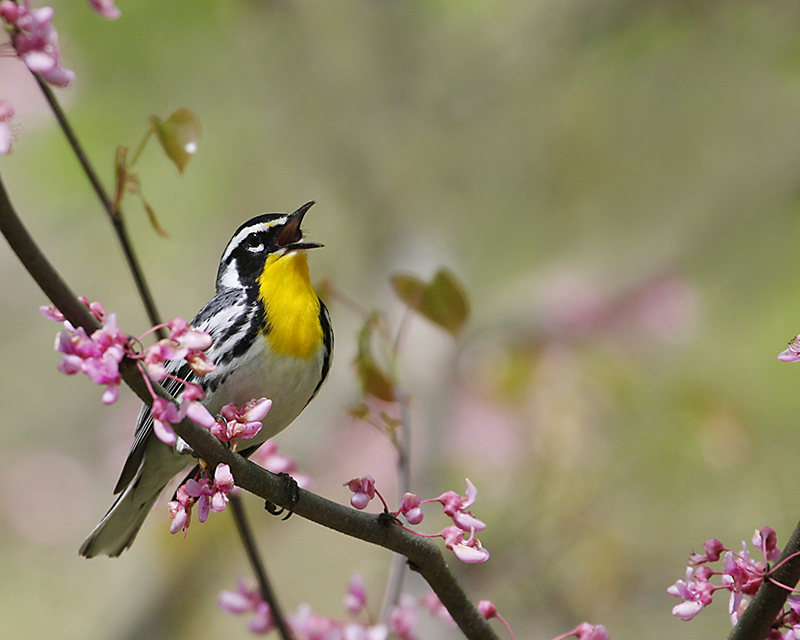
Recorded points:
(197, 412)
(410, 508)
(713, 550)
(52, 313)
(356, 597)
(696, 592)
(487, 609)
(180, 510)
(194, 342)
(766, 540)
(792, 354)
(273, 460)
(586, 631)
(200, 363)
(211, 495)
(223, 485)
(10, 11)
(187, 336)
(469, 551)
(307, 624)
(184, 343)
(156, 355)
(241, 423)
(36, 41)
(105, 8)
(96, 308)
(456, 507)
(363, 491)
(435, 607)
(165, 414)
(246, 600)
(403, 618)
(98, 355)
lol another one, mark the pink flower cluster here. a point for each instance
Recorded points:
(455, 506)
(207, 492)
(244, 422)
(248, 600)
(35, 41)
(165, 413)
(740, 575)
(400, 623)
(792, 354)
(184, 343)
(98, 355)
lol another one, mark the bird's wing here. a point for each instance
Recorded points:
(144, 424)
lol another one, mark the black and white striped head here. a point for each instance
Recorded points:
(270, 233)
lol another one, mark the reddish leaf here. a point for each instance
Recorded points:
(374, 381)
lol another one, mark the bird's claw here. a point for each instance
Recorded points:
(293, 493)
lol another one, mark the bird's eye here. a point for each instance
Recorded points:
(254, 244)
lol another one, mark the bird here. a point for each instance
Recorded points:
(272, 337)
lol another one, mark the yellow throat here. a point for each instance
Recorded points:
(291, 306)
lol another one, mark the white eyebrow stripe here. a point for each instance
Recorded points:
(261, 226)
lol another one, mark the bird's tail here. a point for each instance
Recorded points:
(118, 528)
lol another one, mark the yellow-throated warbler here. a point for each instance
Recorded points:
(272, 338)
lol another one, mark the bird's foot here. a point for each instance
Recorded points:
(293, 497)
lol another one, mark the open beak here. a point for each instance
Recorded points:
(291, 238)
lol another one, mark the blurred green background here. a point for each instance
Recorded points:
(616, 184)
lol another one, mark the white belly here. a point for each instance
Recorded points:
(288, 381)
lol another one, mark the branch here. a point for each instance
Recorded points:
(113, 211)
(115, 214)
(423, 554)
(59, 293)
(394, 585)
(250, 547)
(759, 616)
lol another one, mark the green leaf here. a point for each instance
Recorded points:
(409, 289)
(179, 136)
(442, 300)
(374, 381)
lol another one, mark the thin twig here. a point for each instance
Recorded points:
(114, 213)
(143, 288)
(422, 553)
(397, 572)
(253, 555)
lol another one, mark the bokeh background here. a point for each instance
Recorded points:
(616, 184)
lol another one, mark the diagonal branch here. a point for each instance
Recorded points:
(59, 293)
(759, 616)
(422, 553)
